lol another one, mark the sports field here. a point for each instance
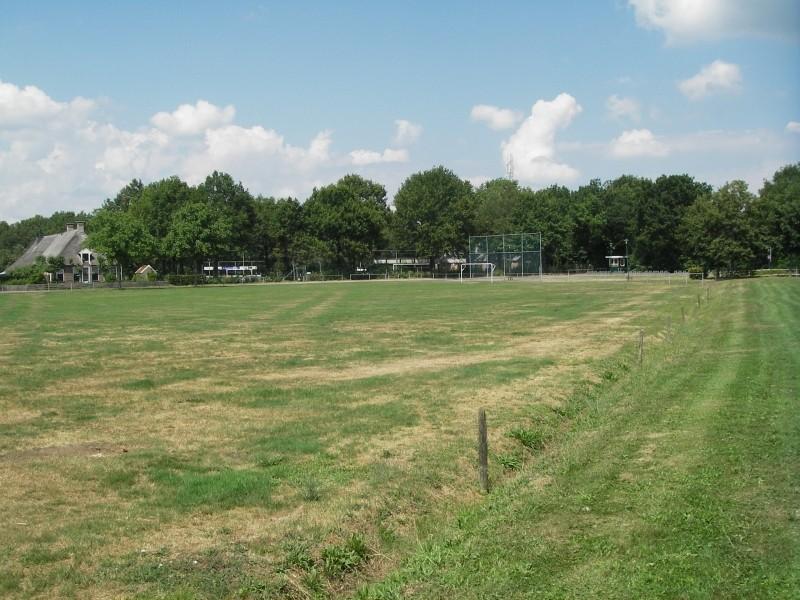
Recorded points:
(306, 440)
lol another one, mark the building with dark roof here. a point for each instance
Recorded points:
(80, 263)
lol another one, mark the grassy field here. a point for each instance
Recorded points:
(311, 440)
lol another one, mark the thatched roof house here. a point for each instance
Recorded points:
(80, 263)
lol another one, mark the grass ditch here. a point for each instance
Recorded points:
(676, 479)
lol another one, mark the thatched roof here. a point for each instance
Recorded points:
(66, 244)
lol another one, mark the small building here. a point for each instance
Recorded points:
(80, 264)
(617, 263)
(145, 273)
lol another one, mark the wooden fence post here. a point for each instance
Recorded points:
(483, 451)
(683, 315)
(708, 294)
(698, 300)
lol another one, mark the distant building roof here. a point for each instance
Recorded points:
(145, 269)
(66, 244)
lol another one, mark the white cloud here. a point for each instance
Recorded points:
(531, 149)
(370, 157)
(638, 143)
(193, 119)
(719, 76)
(694, 20)
(494, 117)
(25, 106)
(59, 155)
(793, 127)
(406, 132)
(623, 108)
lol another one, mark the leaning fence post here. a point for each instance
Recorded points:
(698, 300)
(708, 294)
(669, 327)
(641, 346)
(683, 315)
(483, 451)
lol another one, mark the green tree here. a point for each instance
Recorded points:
(122, 238)
(199, 231)
(589, 232)
(349, 217)
(155, 206)
(660, 211)
(434, 214)
(778, 212)
(621, 201)
(498, 207)
(309, 252)
(718, 230)
(127, 196)
(549, 212)
(235, 205)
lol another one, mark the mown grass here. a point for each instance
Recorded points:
(243, 442)
(675, 480)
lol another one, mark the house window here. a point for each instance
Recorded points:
(86, 257)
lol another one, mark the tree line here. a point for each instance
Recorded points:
(670, 223)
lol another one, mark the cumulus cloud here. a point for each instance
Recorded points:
(406, 132)
(695, 20)
(531, 149)
(60, 155)
(717, 77)
(193, 119)
(494, 117)
(623, 108)
(638, 143)
(370, 157)
(29, 105)
(793, 127)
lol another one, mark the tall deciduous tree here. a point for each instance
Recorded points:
(659, 215)
(779, 215)
(122, 238)
(434, 213)
(235, 205)
(199, 231)
(718, 230)
(349, 217)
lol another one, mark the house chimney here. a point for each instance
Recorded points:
(70, 226)
(80, 225)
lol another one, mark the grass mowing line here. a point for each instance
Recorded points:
(676, 489)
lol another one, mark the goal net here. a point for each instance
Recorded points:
(477, 270)
(513, 254)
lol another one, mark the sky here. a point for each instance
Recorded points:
(290, 96)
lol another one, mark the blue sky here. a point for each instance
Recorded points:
(289, 96)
